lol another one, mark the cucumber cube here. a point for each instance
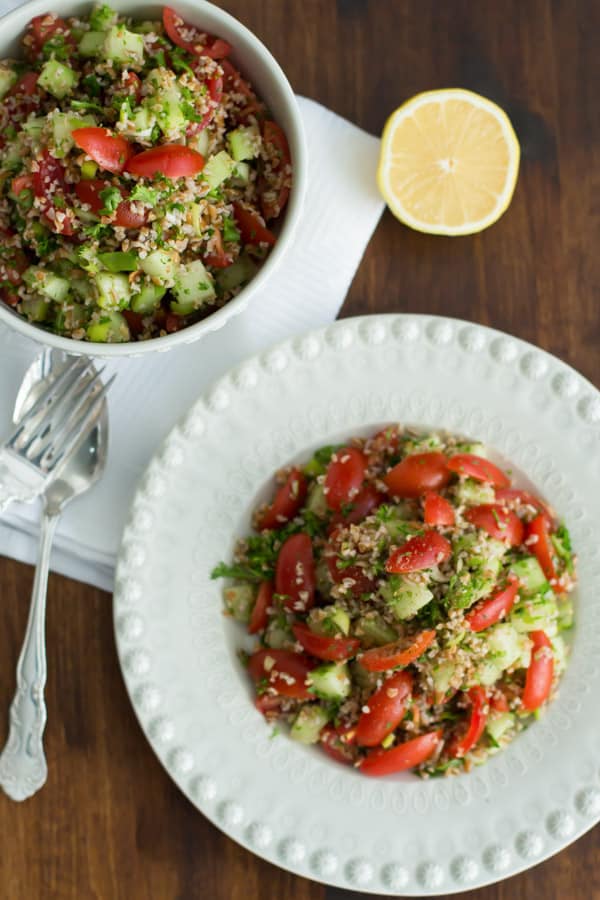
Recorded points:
(119, 261)
(218, 169)
(374, 631)
(239, 601)
(112, 328)
(113, 290)
(47, 283)
(148, 299)
(58, 79)
(307, 725)
(161, 265)
(138, 124)
(63, 124)
(331, 681)
(244, 143)
(498, 724)
(102, 17)
(91, 44)
(124, 46)
(192, 289)
(238, 273)
(35, 310)
(531, 577)
(404, 596)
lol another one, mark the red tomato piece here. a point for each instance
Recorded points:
(234, 83)
(286, 672)
(367, 499)
(324, 647)
(344, 477)
(398, 653)
(337, 744)
(502, 524)
(438, 510)
(133, 85)
(538, 681)
(43, 28)
(89, 193)
(517, 498)
(170, 160)
(276, 143)
(287, 502)
(27, 85)
(419, 552)
(251, 228)
(173, 323)
(259, 616)
(479, 468)
(459, 747)
(362, 582)
(21, 183)
(217, 258)
(417, 474)
(110, 151)
(538, 541)
(269, 705)
(498, 702)
(386, 708)
(134, 320)
(215, 92)
(190, 38)
(405, 756)
(295, 572)
(490, 611)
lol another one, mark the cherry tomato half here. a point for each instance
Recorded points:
(45, 27)
(538, 680)
(459, 747)
(502, 524)
(259, 616)
(490, 611)
(538, 541)
(190, 38)
(286, 503)
(337, 744)
(344, 477)
(110, 151)
(386, 708)
(295, 572)
(339, 570)
(405, 756)
(286, 672)
(251, 228)
(398, 653)
(170, 160)
(367, 499)
(325, 647)
(418, 473)
(438, 510)
(419, 552)
(479, 468)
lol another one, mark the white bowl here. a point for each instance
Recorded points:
(259, 66)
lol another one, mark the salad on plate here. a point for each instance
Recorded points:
(140, 176)
(408, 601)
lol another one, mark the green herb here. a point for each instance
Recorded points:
(189, 112)
(92, 85)
(56, 48)
(230, 232)
(180, 60)
(493, 740)
(155, 134)
(440, 769)
(111, 197)
(87, 104)
(59, 202)
(260, 556)
(97, 232)
(159, 56)
(143, 194)
(321, 459)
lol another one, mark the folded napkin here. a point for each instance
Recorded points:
(152, 393)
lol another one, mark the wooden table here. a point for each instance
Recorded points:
(109, 823)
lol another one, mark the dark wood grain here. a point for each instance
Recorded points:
(110, 824)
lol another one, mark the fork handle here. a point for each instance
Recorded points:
(23, 768)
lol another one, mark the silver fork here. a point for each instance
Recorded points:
(50, 432)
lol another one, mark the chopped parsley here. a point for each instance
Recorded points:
(111, 197)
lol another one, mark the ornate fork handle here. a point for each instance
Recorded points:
(23, 768)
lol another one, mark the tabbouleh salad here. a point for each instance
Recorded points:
(140, 176)
(408, 601)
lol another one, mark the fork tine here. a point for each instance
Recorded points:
(39, 417)
(89, 413)
(66, 416)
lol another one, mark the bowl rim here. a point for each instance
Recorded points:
(12, 24)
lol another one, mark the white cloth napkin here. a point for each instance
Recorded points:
(151, 394)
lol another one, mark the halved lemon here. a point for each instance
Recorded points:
(449, 162)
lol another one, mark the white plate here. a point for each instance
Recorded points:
(291, 804)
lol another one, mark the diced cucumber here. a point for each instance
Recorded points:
(218, 168)
(427, 443)
(102, 17)
(307, 725)
(525, 658)
(323, 579)
(442, 676)
(88, 259)
(88, 169)
(76, 316)
(34, 126)
(398, 521)
(161, 265)
(124, 46)
(487, 673)
(112, 328)
(531, 577)
(363, 678)
(119, 261)
(192, 289)
(35, 310)
(244, 142)
(278, 634)
(113, 290)
(565, 613)
(504, 645)
(374, 631)
(499, 723)
(63, 124)
(329, 620)
(480, 571)
(473, 493)
(561, 654)
(404, 596)
(46, 283)
(8, 78)
(200, 142)
(91, 44)
(83, 288)
(57, 78)
(240, 272)
(137, 124)
(166, 107)
(315, 501)
(148, 299)
(536, 614)
(241, 174)
(331, 681)
(239, 601)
